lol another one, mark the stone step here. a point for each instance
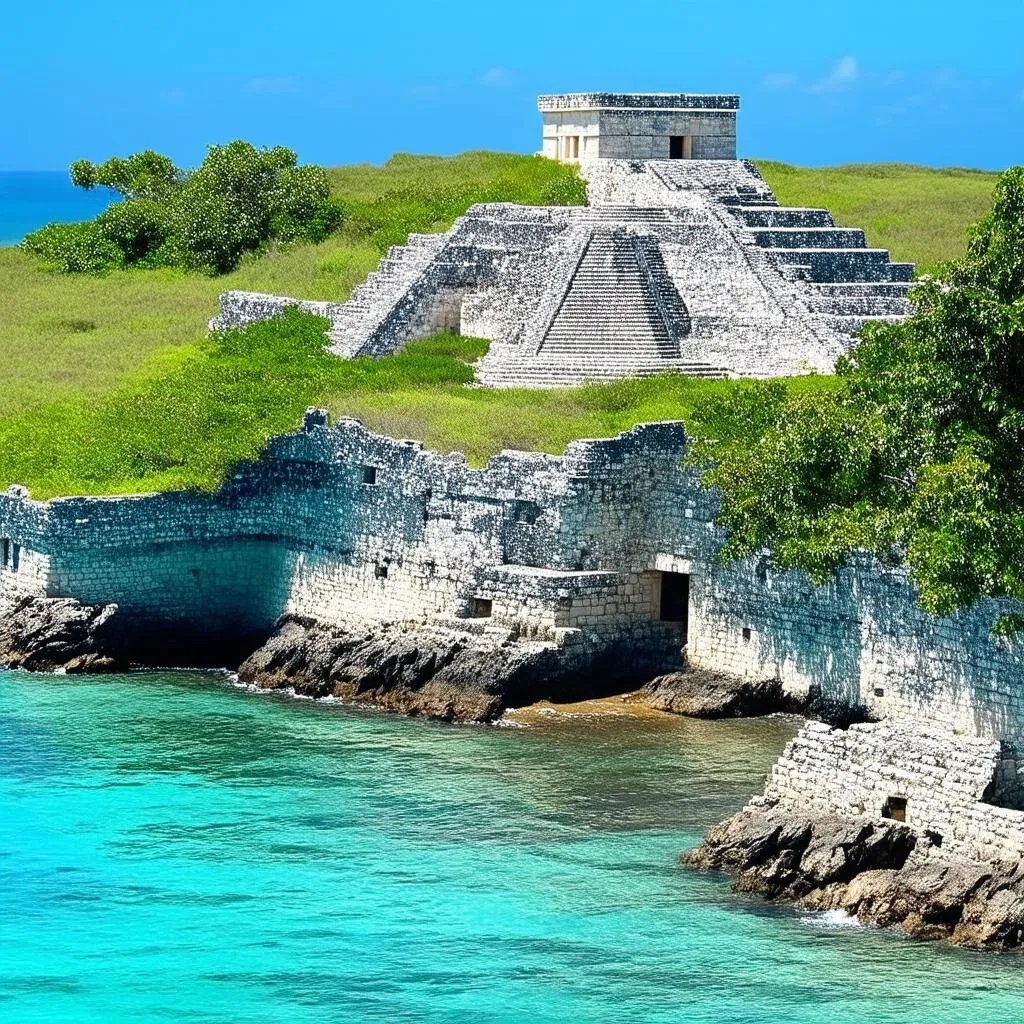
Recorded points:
(864, 305)
(784, 217)
(852, 324)
(838, 264)
(809, 238)
(889, 289)
(902, 271)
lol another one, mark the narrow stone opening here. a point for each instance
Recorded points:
(482, 607)
(6, 552)
(895, 807)
(674, 602)
(746, 634)
(381, 572)
(369, 475)
(15, 557)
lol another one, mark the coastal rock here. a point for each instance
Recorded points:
(430, 670)
(49, 634)
(880, 871)
(699, 693)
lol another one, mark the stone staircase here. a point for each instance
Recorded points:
(851, 283)
(608, 313)
(374, 299)
(614, 319)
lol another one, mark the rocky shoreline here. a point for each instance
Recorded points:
(54, 634)
(880, 871)
(437, 671)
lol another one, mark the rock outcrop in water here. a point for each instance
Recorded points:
(50, 634)
(880, 871)
(432, 670)
(699, 693)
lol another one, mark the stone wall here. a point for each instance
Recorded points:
(945, 785)
(338, 523)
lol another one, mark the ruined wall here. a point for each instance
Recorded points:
(943, 784)
(341, 524)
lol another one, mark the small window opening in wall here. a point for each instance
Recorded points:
(935, 837)
(746, 634)
(6, 552)
(482, 607)
(879, 691)
(380, 572)
(369, 475)
(895, 808)
(15, 557)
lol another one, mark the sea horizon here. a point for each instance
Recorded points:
(31, 199)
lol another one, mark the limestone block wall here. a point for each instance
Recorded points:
(339, 523)
(240, 308)
(943, 784)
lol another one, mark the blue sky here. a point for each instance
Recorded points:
(940, 83)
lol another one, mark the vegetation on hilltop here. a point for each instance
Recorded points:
(239, 200)
(916, 455)
(112, 386)
(920, 214)
(73, 334)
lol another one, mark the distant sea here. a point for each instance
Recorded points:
(30, 199)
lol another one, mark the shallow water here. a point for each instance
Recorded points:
(174, 848)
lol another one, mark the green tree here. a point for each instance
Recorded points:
(915, 454)
(145, 175)
(240, 199)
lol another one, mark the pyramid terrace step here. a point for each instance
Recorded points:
(838, 264)
(810, 238)
(893, 289)
(784, 217)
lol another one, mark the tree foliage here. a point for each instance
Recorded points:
(240, 199)
(917, 454)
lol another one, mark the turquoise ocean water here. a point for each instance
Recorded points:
(30, 199)
(173, 848)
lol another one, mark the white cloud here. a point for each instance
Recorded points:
(271, 86)
(778, 80)
(844, 73)
(497, 78)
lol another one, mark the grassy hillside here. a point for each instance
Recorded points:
(195, 412)
(65, 334)
(111, 385)
(919, 213)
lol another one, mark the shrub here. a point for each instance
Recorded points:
(74, 248)
(138, 227)
(238, 200)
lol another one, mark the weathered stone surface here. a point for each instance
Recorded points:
(58, 634)
(430, 670)
(700, 693)
(879, 870)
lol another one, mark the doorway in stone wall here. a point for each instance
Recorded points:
(674, 602)
(680, 147)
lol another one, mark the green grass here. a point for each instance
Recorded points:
(111, 387)
(920, 214)
(71, 334)
(193, 413)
